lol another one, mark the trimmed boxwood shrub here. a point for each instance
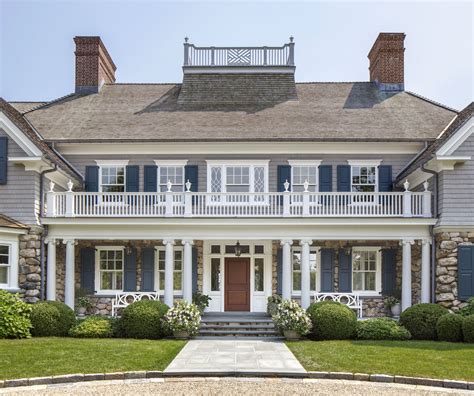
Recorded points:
(468, 328)
(420, 320)
(92, 327)
(332, 321)
(468, 309)
(449, 328)
(143, 319)
(381, 329)
(14, 316)
(51, 318)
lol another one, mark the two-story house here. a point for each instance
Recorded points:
(238, 183)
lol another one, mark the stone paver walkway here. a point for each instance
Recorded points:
(235, 356)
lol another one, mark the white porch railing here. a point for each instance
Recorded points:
(352, 300)
(281, 204)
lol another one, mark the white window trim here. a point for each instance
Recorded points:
(305, 163)
(364, 162)
(175, 163)
(112, 163)
(317, 250)
(224, 164)
(13, 256)
(157, 269)
(376, 189)
(378, 271)
(98, 249)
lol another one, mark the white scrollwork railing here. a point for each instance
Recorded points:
(123, 299)
(350, 299)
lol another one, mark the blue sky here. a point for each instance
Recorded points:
(145, 40)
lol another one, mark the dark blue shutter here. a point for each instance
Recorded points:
(385, 178)
(283, 175)
(344, 178)
(3, 159)
(150, 173)
(327, 263)
(130, 271)
(191, 174)
(389, 271)
(345, 272)
(92, 178)
(132, 178)
(88, 269)
(325, 178)
(465, 272)
(279, 270)
(148, 270)
(195, 270)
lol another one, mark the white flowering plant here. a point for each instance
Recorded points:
(290, 316)
(183, 317)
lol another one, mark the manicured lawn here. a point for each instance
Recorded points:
(412, 358)
(38, 357)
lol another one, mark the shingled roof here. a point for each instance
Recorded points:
(8, 222)
(322, 111)
(463, 116)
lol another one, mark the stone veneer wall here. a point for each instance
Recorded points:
(102, 305)
(29, 270)
(447, 267)
(372, 306)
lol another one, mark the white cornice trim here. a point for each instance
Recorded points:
(237, 162)
(112, 162)
(19, 137)
(362, 162)
(455, 141)
(304, 162)
(35, 164)
(239, 70)
(9, 232)
(171, 162)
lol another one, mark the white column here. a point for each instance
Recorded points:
(425, 270)
(51, 270)
(188, 270)
(406, 273)
(169, 271)
(69, 276)
(286, 269)
(305, 273)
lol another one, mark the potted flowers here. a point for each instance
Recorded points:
(292, 320)
(183, 320)
(83, 303)
(392, 302)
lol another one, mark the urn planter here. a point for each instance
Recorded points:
(291, 335)
(81, 311)
(396, 309)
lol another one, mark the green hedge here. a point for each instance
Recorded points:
(143, 319)
(14, 316)
(332, 321)
(92, 327)
(420, 320)
(51, 318)
(449, 328)
(381, 329)
(468, 328)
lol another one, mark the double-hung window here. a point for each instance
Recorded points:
(177, 269)
(296, 270)
(171, 171)
(5, 265)
(112, 179)
(111, 260)
(304, 172)
(364, 179)
(366, 270)
(240, 181)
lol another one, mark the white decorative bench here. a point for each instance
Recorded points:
(350, 299)
(123, 299)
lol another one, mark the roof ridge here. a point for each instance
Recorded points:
(431, 101)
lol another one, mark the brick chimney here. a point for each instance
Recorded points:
(387, 61)
(94, 66)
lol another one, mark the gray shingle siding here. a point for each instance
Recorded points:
(19, 198)
(456, 198)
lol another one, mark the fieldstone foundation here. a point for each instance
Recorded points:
(29, 271)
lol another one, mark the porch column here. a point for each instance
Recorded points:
(69, 276)
(406, 273)
(305, 273)
(425, 270)
(188, 270)
(286, 269)
(169, 269)
(51, 270)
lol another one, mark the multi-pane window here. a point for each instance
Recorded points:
(238, 179)
(174, 174)
(4, 264)
(112, 178)
(177, 270)
(259, 271)
(364, 270)
(364, 178)
(111, 269)
(296, 270)
(302, 173)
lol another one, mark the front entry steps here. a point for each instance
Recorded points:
(237, 324)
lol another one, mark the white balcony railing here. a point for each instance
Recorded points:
(283, 204)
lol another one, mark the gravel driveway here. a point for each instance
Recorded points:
(231, 386)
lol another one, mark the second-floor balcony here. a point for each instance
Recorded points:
(216, 204)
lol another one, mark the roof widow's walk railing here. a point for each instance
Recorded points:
(239, 56)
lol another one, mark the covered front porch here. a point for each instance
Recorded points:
(297, 261)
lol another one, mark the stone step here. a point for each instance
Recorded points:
(236, 327)
(238, 333)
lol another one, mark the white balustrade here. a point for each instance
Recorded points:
(278, 204)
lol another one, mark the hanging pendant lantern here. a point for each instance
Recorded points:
(237, 249)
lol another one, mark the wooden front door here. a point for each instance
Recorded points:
(237, 284)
